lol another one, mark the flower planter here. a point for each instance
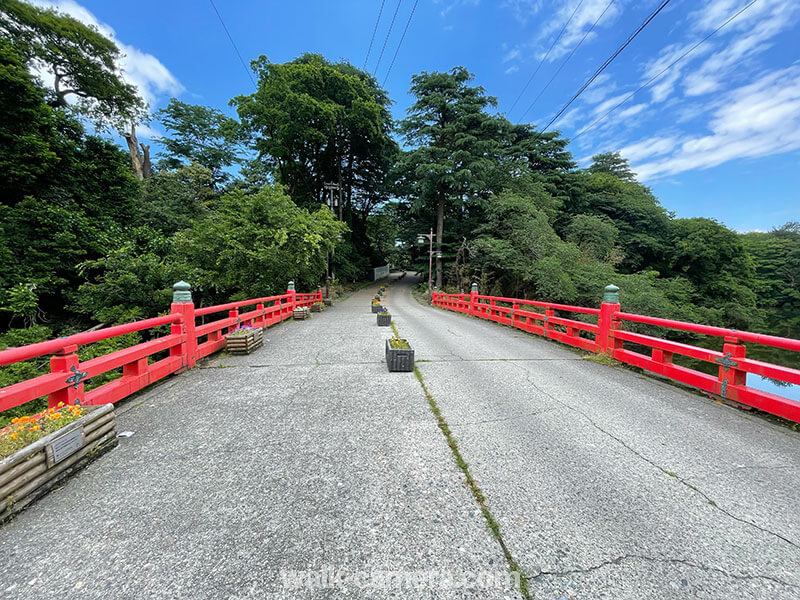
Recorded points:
(244, 342)
(31, 472)
(384, 319)
(399, 359)
(327, 301)
(317, 307)
(376, 308)
(301, 313)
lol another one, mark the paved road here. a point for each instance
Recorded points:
(308, 454)
(607, 483)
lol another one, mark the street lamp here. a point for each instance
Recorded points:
(421, 240)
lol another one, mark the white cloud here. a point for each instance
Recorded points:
(758, 119)
(150, 77)
(511, 55)
(523, 10)
(512, 69)
(585, 15)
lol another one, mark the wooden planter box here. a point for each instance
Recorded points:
(375, 308)
(300, 313)
(34, 470)
(384, 320)
(327, 301)
(244, 343)
(399, 360)
(317, 307)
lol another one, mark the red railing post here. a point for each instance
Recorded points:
(473, 300)
(65, 361)
(182, 304)
(260, 320)
(549, 313)
(234, 314)
(728, 373)
(514, 310)
(607, 321)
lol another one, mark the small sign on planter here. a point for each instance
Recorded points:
(64, 446)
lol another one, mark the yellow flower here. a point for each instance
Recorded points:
(24, 419)
(35, 428)
(14, 435)
(15, 420)
(60, 404)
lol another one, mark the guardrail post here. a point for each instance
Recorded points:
(65, 361)
(260, 320)
(234, 314)
(182, 304)
(549, 313)
(607, 321)
(728, 373)
(473, 299)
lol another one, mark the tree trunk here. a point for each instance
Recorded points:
(140, 161)
(439, 234)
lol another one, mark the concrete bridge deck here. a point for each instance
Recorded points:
(309, 455)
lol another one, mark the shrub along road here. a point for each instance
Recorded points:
(309, 455)
(606, 483)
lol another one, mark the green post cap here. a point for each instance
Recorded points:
(611, 294)
(181, 293)
(475, 287)
(290, 286)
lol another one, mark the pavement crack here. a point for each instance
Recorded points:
(652, 463)
(675, 561)
(500, 420)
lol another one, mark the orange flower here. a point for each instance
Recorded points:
(24, 419)
(14, 435)
(60, 404)
(55, 416)
(15, 420)
(35, 428)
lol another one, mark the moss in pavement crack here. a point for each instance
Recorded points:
(477, 493)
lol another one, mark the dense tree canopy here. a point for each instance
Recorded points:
(82, 61)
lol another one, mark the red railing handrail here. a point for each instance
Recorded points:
(208, 310)
(566, 307)
(745, 336)
(144, 363)
(12, 355)
(608, 337)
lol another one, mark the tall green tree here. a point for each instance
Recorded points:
(200, 135)
(457, 147)
(614, 164)
(82, 60)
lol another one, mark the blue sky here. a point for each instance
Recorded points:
(718, 135)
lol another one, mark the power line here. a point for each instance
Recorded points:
(566, 60)
(541, 62)
(374, 31)
(607, 62)
(230, 37)
(664, 70)
(400, 43)
(394, 16)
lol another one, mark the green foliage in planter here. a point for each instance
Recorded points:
(399, 344)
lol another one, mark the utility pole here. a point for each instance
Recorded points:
(421, 240)
(334, 201)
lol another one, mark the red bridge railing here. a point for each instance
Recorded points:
(186, 342)
(607, 335)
